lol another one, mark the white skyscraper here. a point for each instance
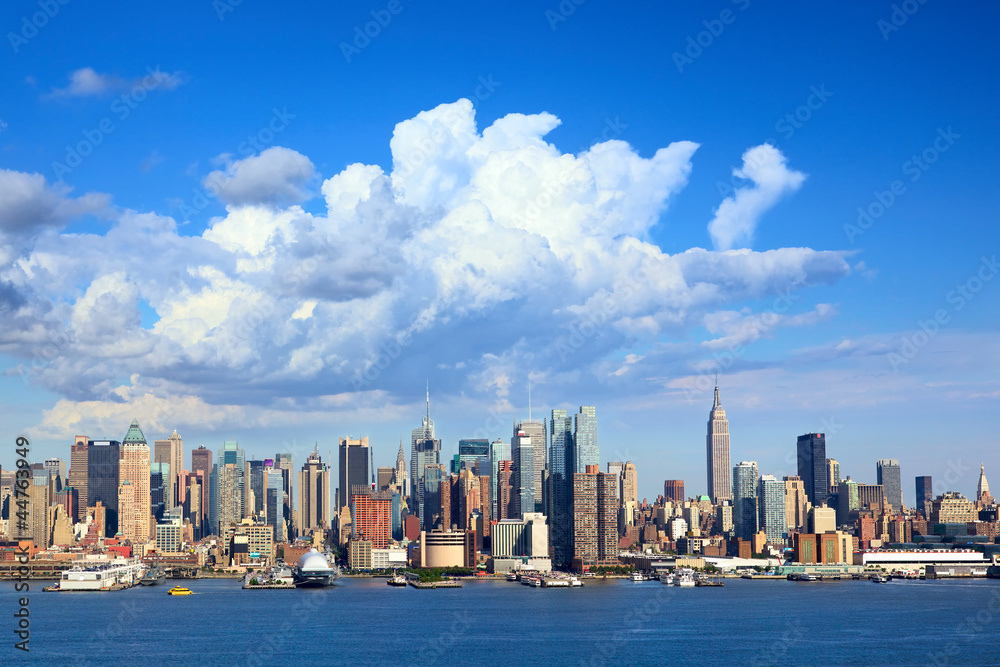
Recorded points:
(717, 442)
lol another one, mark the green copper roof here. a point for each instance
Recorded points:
(134, 435)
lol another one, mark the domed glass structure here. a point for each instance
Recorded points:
(313, 570)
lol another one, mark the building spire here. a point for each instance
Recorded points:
(428, 401)
(717, 404)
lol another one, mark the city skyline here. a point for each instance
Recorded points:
(693, 486)
(613, 235)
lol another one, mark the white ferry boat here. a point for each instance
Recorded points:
(685, 578)
(102, 576)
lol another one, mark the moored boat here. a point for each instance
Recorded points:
(154, 576)
(314, 571)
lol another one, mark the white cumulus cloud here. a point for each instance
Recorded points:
(277, 175)
(477, 255)
(737, 217)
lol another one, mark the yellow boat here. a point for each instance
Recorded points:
(179, 590)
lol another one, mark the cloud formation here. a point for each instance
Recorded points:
(276, 176)
(27, 201)
(737, 216)
(480, 255)
(86, 82)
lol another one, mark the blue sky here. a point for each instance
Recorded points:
(133, 288)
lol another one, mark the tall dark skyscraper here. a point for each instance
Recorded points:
(889, 477)
(258, 485)
(925, 495)
(201, 461)
(812, 466)
(354, 471)
(560, 486)
(535, 430)
(102, 480)
(744, 488)
(717, 445)
(523, 450)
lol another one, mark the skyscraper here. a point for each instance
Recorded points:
(228, 486)
(523, 451)
(535, 430)
(159, 481)
(78, 474)
(833, 474)
(673, 490)
(425, 451)
(811, 449)
(354, 472)
(848, 500)
(560, 486)
(283, 462)
(38, 525)
(630, 484)
(102, 480)
(230, 496)
(586, 451)
(771, 497)
(201, 461)
(499, 451)
(314, 494)
(470, 451)
(795, 504)
(133, 517)
(256, 485)
(717, 446)
(57, 473)
(402, 476)
(983, 487)
(595, 516)
(744, 491)
(505, 491)
(889, 477)
(275, 501)
(171, 450)
(384, 476)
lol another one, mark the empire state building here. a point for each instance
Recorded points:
(717, 445)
